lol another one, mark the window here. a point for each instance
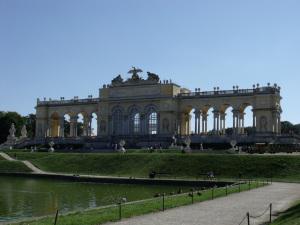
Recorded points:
(117, 122)
(152, 123)
(136, 123)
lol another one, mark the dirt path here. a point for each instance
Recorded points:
(228, 210)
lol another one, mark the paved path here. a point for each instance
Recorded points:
(228, 210)
(25, 162)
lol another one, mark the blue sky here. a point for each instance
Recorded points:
(71, 48)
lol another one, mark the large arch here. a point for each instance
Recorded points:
(67, 121)
(55, 125)
(152, 120)
(117, 121)
(247, 119)
(93, 125)
(135, 122)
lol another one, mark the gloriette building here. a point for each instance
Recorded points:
(153, 110)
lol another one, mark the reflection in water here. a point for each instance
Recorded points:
(27, 197)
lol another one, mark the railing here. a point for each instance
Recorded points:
(262, 90)
(71, 101)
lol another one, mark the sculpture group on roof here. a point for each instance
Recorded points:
(135, 78)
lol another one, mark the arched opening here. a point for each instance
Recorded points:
(194, 122)
(227, 121)
(210, 121)
(80, 121)
(248, 122)
(67, 119)
(54, 125)
(94, 125)
(117, 122)
(136, 123)
(153, 123)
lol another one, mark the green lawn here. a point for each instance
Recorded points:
(111, 213)
(177, 165)
(289, 217)
(12, 167)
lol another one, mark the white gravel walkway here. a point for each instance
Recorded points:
(228, 210)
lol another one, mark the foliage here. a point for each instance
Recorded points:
(289, 128)
(7, 118)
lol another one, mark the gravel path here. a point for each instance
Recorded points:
(227, 210)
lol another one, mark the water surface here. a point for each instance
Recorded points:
(29, 197)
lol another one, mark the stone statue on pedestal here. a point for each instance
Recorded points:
(24, 132)
(12, 131)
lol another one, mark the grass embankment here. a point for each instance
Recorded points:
(289, 217)
(111, 213)
(12, 167)
(280, 168)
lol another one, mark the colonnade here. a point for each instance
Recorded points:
(219, 122)
(56, 126)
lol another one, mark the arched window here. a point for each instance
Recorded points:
(117, 122)
(136, 123)
(153, 123)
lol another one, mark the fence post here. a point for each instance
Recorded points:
(192, 197)
(212, 193)
(120, 210)
(239, 186)
(249, 185)
(56, 216)
(248, 218)
(163, 202)
(270, 212)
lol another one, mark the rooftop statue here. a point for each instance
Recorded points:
(117, 80)
(153, 77)
(134, 71)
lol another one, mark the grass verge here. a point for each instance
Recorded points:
(130, 209)
(175, 165)
(289, 217)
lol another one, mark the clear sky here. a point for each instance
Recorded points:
(54, 48)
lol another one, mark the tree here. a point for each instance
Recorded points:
(6, 119)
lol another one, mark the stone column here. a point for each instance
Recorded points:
(199, 122)
(73, 126)
(86, 126)
(235, 121)
(204, 123)
(222, 128)
(62, 126)
(279, 124)
(216, 121)
(241, 123)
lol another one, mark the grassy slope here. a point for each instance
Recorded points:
(12, 167)
(290, 217)
(178, 165)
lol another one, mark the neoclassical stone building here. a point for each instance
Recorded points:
(152, 108)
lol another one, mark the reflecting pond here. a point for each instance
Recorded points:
(29, 197)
